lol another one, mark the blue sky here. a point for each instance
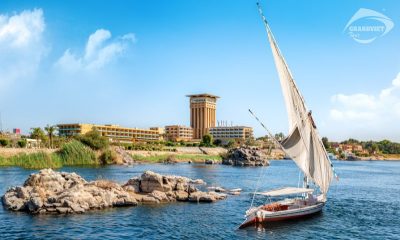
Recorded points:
(132, 63)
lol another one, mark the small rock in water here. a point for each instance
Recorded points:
(209, 161)
(206, 197)
(235, 191)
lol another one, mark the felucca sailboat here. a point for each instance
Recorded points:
(304, 146)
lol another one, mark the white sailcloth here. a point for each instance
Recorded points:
(303, 143)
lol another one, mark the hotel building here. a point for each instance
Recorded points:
(113, 132)
(202, 113)
(178, 133)
(226, 133)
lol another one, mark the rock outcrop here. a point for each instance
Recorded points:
(124, 157)
(245, 156)
(59, 192)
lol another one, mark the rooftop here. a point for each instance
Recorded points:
(181, 126)
(231, 127)
(202, 95)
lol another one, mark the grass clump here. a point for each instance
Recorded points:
(5, 162)
(33, 161)
(38, 160)
(75, 153)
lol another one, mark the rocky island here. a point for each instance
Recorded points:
(245, 156)
(50, 191)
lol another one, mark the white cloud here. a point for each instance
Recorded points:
(367, 114)
(21, 45)
(99, 51)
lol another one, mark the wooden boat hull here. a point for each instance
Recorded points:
(261, 216)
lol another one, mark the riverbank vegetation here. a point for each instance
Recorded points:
(92, 149)
(384, 148)
(175, 158)
(89, 149)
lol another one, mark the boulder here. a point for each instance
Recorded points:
(133, 185)
(206, 196)
(245, 156)
(181, 195)
(160, 196)
(151, 181)
(54, 192)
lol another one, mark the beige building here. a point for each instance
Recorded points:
(231, 132)
(202, 113)
(160, 130)
(113, 132)
(178, 133)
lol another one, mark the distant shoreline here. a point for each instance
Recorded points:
(181, 155)
(357, 160)
(369, 159)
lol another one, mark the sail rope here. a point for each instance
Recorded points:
(269, 133)
(276, 142)
(298, 180)
(257, 185)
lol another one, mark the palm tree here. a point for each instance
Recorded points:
(50, 132)
(37, 133)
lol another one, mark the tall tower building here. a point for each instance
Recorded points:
(202, 113)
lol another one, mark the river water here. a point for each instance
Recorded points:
(364, 204)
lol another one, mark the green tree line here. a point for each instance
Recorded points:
(384, 146)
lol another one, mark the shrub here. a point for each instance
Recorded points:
(108, 157)
(22, 143)
(231, 143)
(94, 140)
(224, 155)
(170, 159)
(207, 141)
(4, 142)
(145, 147)
(217, 142)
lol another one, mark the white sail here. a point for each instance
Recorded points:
(303, 143)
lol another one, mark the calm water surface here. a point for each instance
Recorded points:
(364, 204)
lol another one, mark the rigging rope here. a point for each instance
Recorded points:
(276, 142)
(257, 185)
(298, 181)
